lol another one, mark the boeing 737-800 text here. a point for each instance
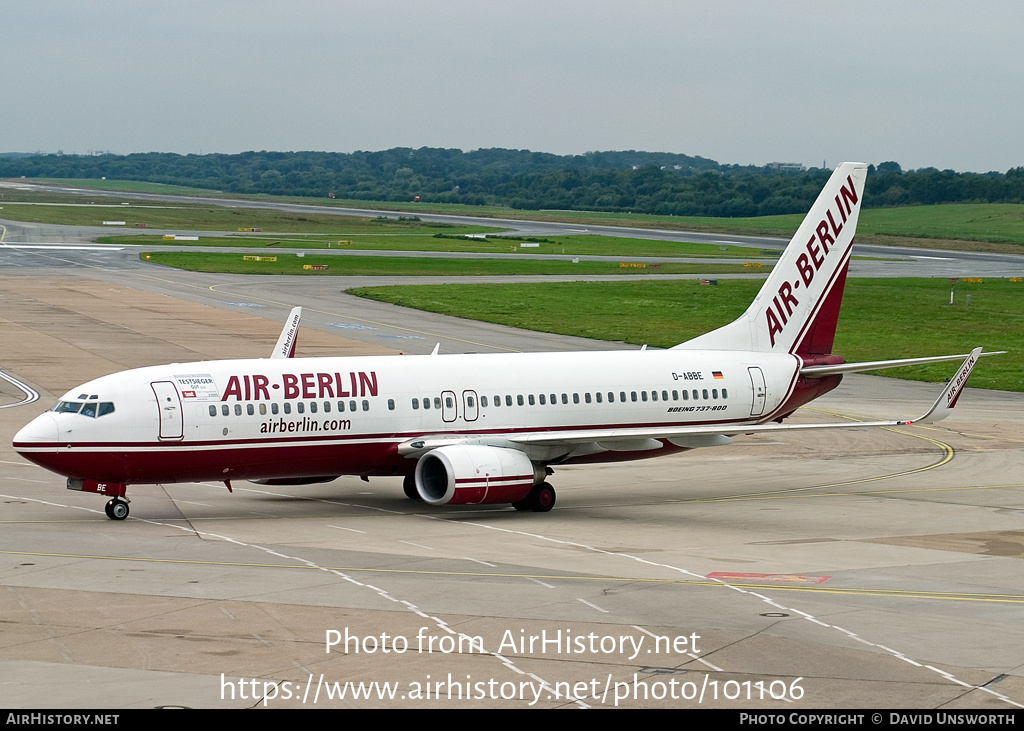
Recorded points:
(471, 429)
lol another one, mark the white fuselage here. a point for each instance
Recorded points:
(309, 417)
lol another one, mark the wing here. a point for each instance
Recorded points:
(689, 436)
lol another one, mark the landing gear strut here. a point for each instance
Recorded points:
(409, 485)
(116, 509)
(540, 500)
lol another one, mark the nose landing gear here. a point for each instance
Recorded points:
(117, 506)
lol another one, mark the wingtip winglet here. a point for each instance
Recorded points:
(944, 405)
(285, 347)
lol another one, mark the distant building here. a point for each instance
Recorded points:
(786, 167)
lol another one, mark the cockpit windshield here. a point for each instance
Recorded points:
(91, 407)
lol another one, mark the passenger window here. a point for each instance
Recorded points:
(391, 404)
(249, 409)
(287, 407)
(238, 409)
(686, 395)
(312, 407)
(366, 405)
(725, 394)
(273, 408)
(447, 402)
(497, 400)
(598, 396)
(531, 399)
(263, 409)
(508, 400)
(327, 407)
(300, 407)
(415, 405)
(643, 396)
(714, 393)
(213, 410)
(705, 394)
(543, 400)
(341, 406)
(352, 404)
(586, 397)
(483, 401)
(565, 398)
(519, 399)
(575, 398)
(224, 410)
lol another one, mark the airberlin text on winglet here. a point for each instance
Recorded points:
(818, 247)
(301, 385)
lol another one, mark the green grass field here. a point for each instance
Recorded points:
(390, 238)
(213, 218)
(135, 186)
(289, 263)
(881, 318)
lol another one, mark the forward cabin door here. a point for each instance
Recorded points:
(757, 385)
(169, 404)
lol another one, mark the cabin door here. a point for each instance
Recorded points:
(758, 388)
(449, 406)
(470, 406)
(169, 405)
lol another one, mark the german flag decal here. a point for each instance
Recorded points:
(718, 375)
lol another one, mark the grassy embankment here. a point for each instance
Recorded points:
(881, 318)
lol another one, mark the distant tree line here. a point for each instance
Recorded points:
(641, 182)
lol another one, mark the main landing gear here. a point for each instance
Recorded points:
(116, 509)
(540, 500)
(409, 486)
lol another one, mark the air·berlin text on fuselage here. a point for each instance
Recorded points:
(258, 387)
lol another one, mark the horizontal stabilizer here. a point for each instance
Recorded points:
(817, 371)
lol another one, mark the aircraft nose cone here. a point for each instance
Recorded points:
(37, 440)
(39, 431)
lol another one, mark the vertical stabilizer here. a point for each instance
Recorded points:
(797, 309)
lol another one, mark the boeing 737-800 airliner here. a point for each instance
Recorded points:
(471, 429)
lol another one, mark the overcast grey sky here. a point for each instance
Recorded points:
(934, 83)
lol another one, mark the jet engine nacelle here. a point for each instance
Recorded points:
(471, 474)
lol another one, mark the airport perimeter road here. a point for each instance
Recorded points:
(860, 569)
(916, 261)
(32, 246)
